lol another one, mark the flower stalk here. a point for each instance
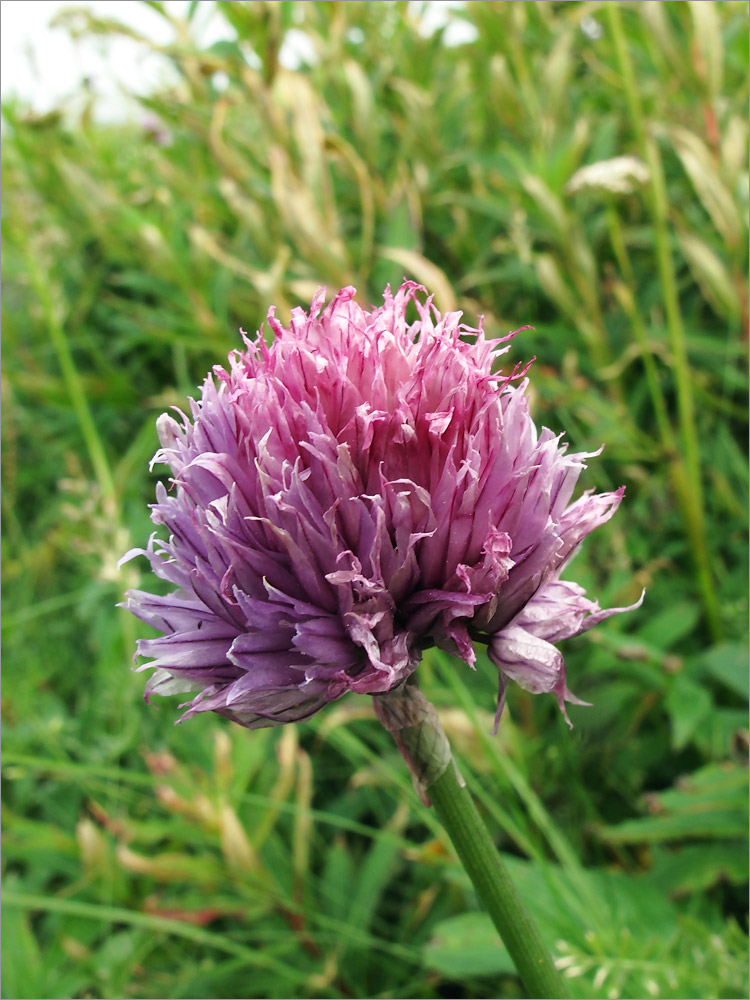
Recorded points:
(414, 724)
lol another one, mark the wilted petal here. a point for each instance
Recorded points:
(560, 610)
(534, 664)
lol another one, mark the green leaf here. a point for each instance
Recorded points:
(23, 971)
(467, 945)
(688, 705)
(724, 782)
(712, 802)
(716, 737)
(728, 663)
(698, 867)
(337, 879)
(667, 627)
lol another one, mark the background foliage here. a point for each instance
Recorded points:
(145, 860)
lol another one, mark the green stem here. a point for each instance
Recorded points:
(627, 300)
(490, 878)
(415, 726)
(74, 385)
(693, 486)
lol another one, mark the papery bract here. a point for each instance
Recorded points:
(362, 489)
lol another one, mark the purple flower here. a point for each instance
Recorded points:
(357, 492)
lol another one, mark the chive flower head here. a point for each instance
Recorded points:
(358, 491)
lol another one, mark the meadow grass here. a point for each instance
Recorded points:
(145, 860)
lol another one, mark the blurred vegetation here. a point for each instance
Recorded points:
(145, 860)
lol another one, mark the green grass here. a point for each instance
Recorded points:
(146, 860)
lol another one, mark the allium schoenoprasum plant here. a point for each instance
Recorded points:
(579, 167)
(361, 490)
